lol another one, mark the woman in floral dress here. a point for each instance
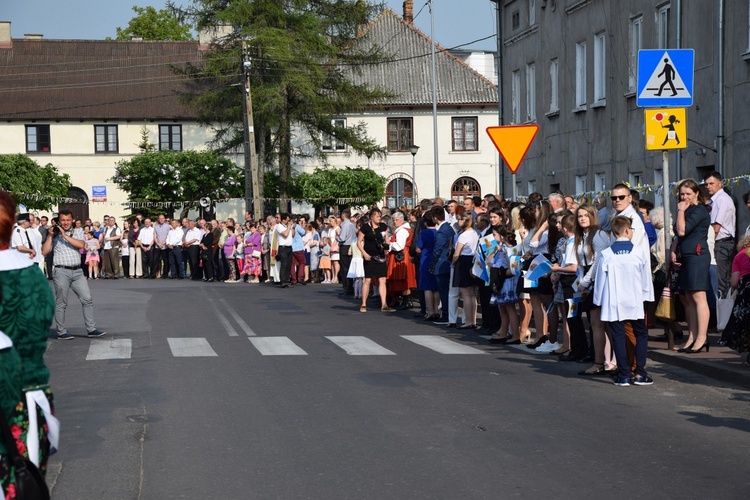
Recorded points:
(27, 306)
(253, 265)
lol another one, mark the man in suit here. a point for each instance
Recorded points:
(441, 260)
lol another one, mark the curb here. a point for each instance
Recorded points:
(707, 368)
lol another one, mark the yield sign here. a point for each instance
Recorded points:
(513, 142)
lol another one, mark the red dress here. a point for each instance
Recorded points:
(401, 275)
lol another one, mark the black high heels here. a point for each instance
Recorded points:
(706, 344)
(686, 349)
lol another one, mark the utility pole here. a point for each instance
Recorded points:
(253, 192)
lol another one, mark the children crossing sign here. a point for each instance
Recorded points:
(666, 128)
(665, 77)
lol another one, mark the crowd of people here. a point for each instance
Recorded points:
(549, 259)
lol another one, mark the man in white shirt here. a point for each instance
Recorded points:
(36, 237)
(723, 222)
(174, 247)
(284, 232)
(20, 239)
(192, 241)
(146, 237)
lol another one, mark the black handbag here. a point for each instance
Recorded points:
(30, 484)
(399, 256)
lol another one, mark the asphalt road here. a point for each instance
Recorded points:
(195, 393)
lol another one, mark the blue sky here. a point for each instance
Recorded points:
(456, 21)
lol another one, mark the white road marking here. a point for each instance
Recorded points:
(190, 347)
(224, 321)
(277, 346)
(360, 346)
(249, 331)
(441, 345)
(110, 349)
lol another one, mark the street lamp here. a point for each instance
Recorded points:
(413, 150)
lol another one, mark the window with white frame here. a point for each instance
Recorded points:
(330, 142)
(37, 139)
(580, 74)
(600, 182)
(532, 12)
(515, 94)
(554, 104)
(530, 187)
(581, 186)
(600, 67)
(662, 26)
(465, 134)
(636, 42)
(636, 179)
(531, 92)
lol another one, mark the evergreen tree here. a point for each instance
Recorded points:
(302, 56)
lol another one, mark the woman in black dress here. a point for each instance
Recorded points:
(206, 258)
(371, 241)
(690, 254)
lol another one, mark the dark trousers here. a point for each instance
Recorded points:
(345, 261)
(163, 261)
(490, 314)
(443, 281)
(175, 263)
(126, 265)
(207, 258)
(194, 255)
(111, 263)
(724, 251)
(185, 261)
(217, 265)
(48, 265)
(284, 256)
(149, 262)
(297, 271)
(617, 328)
(579, 346)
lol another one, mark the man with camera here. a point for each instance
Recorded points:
(68, 274)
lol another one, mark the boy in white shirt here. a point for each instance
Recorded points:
(621, 286)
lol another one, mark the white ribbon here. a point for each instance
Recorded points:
(34, 399)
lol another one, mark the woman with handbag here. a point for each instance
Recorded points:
(136, 253)
(207, 261)
(401, 273)
(371, 241)
(737, 332)
(463, 260)
(25, 396)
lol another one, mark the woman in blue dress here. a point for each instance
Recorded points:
(427, 281)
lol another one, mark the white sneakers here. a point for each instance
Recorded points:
(548, 347)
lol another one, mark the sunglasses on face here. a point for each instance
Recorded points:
(618, 198)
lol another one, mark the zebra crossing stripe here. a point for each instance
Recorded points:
(276, 346)
(109, 349)
(190, 347)
(441, 345)
(360, 346)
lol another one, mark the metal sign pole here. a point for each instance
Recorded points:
(515, 188)
(667, 192)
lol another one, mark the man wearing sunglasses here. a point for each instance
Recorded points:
(622, 201)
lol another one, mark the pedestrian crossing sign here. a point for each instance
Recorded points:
(666, 128)
(665, 77)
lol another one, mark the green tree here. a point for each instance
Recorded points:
(302, 55)
(179, 176)
(341, 187)
(151, 24)
(32, 185)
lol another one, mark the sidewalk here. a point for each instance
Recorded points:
(720, 363)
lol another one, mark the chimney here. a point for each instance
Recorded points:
(5, 34)
(409, 11)
(33, 36)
